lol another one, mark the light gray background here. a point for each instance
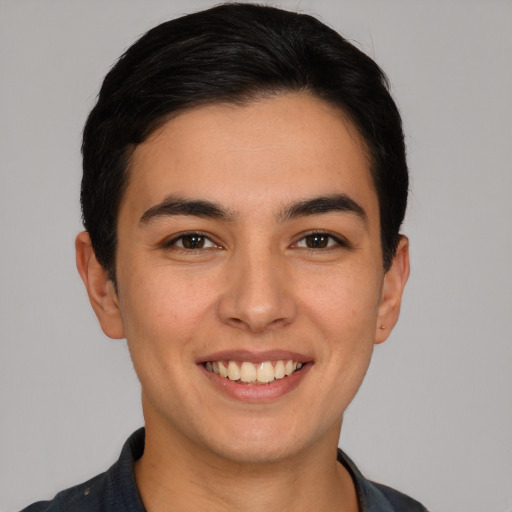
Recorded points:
(434, 416)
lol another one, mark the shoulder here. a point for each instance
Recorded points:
(374, 497)
(85, 497)
(398, 501)
(112, 491)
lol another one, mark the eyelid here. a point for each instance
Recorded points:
(171, 241)
(340, 240)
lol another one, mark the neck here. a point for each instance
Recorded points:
(174, 471)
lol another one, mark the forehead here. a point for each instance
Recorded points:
(263, 154)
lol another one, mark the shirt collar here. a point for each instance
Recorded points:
(127, 497)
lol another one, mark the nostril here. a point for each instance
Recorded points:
(257, 325)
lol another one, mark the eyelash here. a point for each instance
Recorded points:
(173, 243)
(338, 241)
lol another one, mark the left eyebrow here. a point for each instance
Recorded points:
(323, 205)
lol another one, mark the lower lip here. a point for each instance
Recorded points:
(257, 393)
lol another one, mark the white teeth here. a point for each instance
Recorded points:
(279, 370)
(261, 373)
(233, 371)
(289, 367)
(223, 371)
(265, 372)
(247, 372)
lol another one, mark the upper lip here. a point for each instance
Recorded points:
(255, 357)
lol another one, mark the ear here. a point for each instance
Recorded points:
(100, 288)
(392, 289)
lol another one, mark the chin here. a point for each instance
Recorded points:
(265, 443)
(255, 452)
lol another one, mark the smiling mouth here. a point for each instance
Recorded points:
(245, 372)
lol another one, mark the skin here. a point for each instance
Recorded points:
(256, 284)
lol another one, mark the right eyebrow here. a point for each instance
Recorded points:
(172, 206)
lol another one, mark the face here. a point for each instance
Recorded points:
(251, 287)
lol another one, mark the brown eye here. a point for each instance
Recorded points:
(320, 241)
(191, 242)
(317, 241)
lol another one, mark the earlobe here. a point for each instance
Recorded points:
(100, 288)
(392, 291)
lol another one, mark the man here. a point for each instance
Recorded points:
(243, 190)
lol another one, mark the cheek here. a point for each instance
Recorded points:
(161, 317)
(162, 310)
(344, 301)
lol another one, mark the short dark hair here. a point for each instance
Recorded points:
(235, 53)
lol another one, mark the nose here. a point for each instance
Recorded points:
(257, 296)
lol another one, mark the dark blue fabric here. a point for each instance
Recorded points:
(112, 491)
(116, 489)
(373, 497)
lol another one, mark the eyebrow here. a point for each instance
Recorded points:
(172, 206)
(323, 205)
